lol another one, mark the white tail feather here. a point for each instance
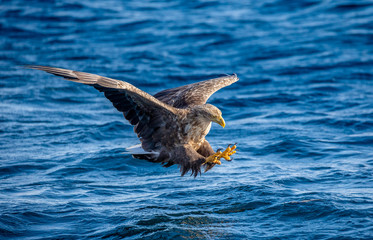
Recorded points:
(138, 150)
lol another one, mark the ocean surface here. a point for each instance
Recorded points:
(302, 115)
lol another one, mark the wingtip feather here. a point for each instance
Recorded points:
(31, 66)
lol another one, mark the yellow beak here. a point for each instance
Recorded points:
(220, 121)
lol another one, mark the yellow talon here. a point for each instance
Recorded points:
(228, 152)
(217, 162)
(215, 158)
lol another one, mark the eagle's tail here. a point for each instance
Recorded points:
(138, 152)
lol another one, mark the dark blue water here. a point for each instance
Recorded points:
(302, 114)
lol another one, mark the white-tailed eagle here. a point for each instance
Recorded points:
(171, 125)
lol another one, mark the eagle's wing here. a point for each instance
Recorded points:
(149, 115)
(195, 93)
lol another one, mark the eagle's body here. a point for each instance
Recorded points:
(171, 125)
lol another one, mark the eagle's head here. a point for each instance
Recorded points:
(210, 113)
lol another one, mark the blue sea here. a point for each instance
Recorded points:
(301, 113)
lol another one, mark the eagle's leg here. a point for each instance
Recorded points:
(206, 150)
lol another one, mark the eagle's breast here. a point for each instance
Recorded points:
(194, 132)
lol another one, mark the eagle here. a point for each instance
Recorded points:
(171, 125)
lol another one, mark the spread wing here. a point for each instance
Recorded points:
(195, 93)
(149, 115)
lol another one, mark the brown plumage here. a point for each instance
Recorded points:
(171, 125)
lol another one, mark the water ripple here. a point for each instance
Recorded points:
(301, 114)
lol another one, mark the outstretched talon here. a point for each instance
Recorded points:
(214, 159)
(228, 152)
